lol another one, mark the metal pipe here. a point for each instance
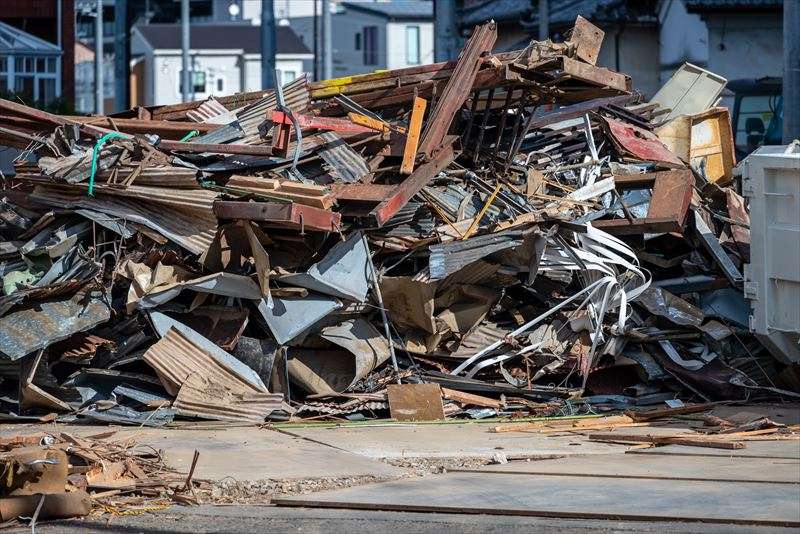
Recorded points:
(791, 71)
(121, 56)
(377, 289)
(445, 30)
(327, 41)
(316, 42)
(98, 59)
(186, 77)
(544, 20)
(268, 44)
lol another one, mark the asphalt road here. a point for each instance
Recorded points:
(268, 519)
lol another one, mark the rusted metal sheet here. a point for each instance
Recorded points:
(289, 215)
(37, 327)
(669, 203)
(640, 143)
(176, 357)
(414, 183)
(217, 148)
(204, 398)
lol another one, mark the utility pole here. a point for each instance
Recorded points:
(186, 75)
(445, 30)
(544, 20)
(121, 56)
(268, 44)
(791, 71)
(316, 41)
(98, 59)
(327, 40)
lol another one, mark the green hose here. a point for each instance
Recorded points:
(96, 152)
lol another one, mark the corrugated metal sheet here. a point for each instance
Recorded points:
(243, 129)
(342, 163)
(200, 397)
(204, 386)
(450, 257)
(479, 338)
(194, 200)
(31, 329)
(211, 112)
(194, 231)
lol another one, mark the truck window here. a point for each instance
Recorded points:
(756, 115)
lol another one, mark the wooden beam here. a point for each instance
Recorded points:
(412, 138)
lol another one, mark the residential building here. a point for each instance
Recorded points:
(745, 37)
(36, 48)
(373, 35)
(225, 59)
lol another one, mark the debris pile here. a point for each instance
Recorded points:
(60, 475)
(513, 233)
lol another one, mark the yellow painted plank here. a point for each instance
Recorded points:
(412, 138)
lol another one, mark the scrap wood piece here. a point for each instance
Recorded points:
(652, 415)
(470, 399)
(565, 424)
(687, 439)
(412, 138)
(458, 87)
(415, 402)
(415, 182)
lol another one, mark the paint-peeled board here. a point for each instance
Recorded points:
(415, 402)
(572, 497)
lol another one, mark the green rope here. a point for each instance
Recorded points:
(96, 152)
(190, 135)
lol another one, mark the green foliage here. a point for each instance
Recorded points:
(59, 106)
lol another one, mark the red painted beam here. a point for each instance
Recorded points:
(415, 182)
(287, 214)
(321, 123)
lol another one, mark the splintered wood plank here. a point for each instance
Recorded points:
(415, 402)
(412, 137)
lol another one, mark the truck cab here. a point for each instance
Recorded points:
(757, 114)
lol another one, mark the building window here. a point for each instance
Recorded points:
(370, 45)
(24, 85)
(288, 76)
(412, 45)
(358, 40)
(221, 85)
(198, 81)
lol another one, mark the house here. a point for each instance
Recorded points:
(631, 27)
(745, 37)
(369, 36)
(225, 59)
(29, 66)
(37, 42)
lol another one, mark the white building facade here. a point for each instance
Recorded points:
(224, 59)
